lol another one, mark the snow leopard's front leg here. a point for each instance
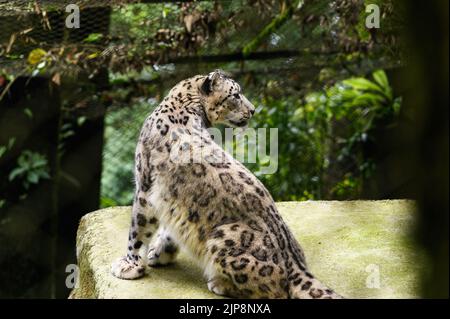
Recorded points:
(143, 225)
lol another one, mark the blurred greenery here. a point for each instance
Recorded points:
(320, 135)
(31, 168)
(329, 126)
(328, 99)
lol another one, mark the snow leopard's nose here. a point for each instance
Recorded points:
(249, 105)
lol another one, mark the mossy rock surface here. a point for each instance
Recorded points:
(362, 249)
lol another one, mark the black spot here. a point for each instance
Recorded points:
(253, 203)
(218, 233)
(137, 244)
(235, 252)
(230, 185)
(134, 234)
(138, 163)
(220, 165)
(229, 242)
(241, 278)
(254, 225)
(204, 194)
(211, 216)
(206, 86)
(293, 277)
(199, 170)
(284, 284)
(142, 201)
(306, 285)
(170, 249)
(153, 220)
(246, 239)
(164, 130)
(230, 205)
(275, 258)
(201, 234)
(259, 191)
(297, 282)
(193, 216)
(264, 288)
(234, 227)
(265, 271)
(245, 178)
(267, 241)
(141, 220)
(241, 264)
(260, 254)
(161, 167)
(145, 186)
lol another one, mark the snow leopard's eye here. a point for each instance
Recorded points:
(237, 96)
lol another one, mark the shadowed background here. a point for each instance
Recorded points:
(362, 113)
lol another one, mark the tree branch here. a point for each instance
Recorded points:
(275, 24)
(240, 56)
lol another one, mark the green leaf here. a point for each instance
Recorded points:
(93, 37)
(33, 178)
(381, 78)
(28, 112)
(362, 84)
(3, 150)
(81, 120)
(11, 142)
(368, 99)
(45, 175)
(107, 202)
(39, 162)
(15, 172)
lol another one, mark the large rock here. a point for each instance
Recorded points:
(362, 249)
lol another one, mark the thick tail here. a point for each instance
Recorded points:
(311, 288)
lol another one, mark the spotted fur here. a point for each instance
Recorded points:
(218, 210)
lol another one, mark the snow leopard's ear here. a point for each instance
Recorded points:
(212, 82)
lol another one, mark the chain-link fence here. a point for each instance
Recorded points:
(124, 52)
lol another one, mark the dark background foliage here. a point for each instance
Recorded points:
(360, 112)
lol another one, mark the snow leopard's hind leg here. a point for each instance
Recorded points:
(164, 250)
